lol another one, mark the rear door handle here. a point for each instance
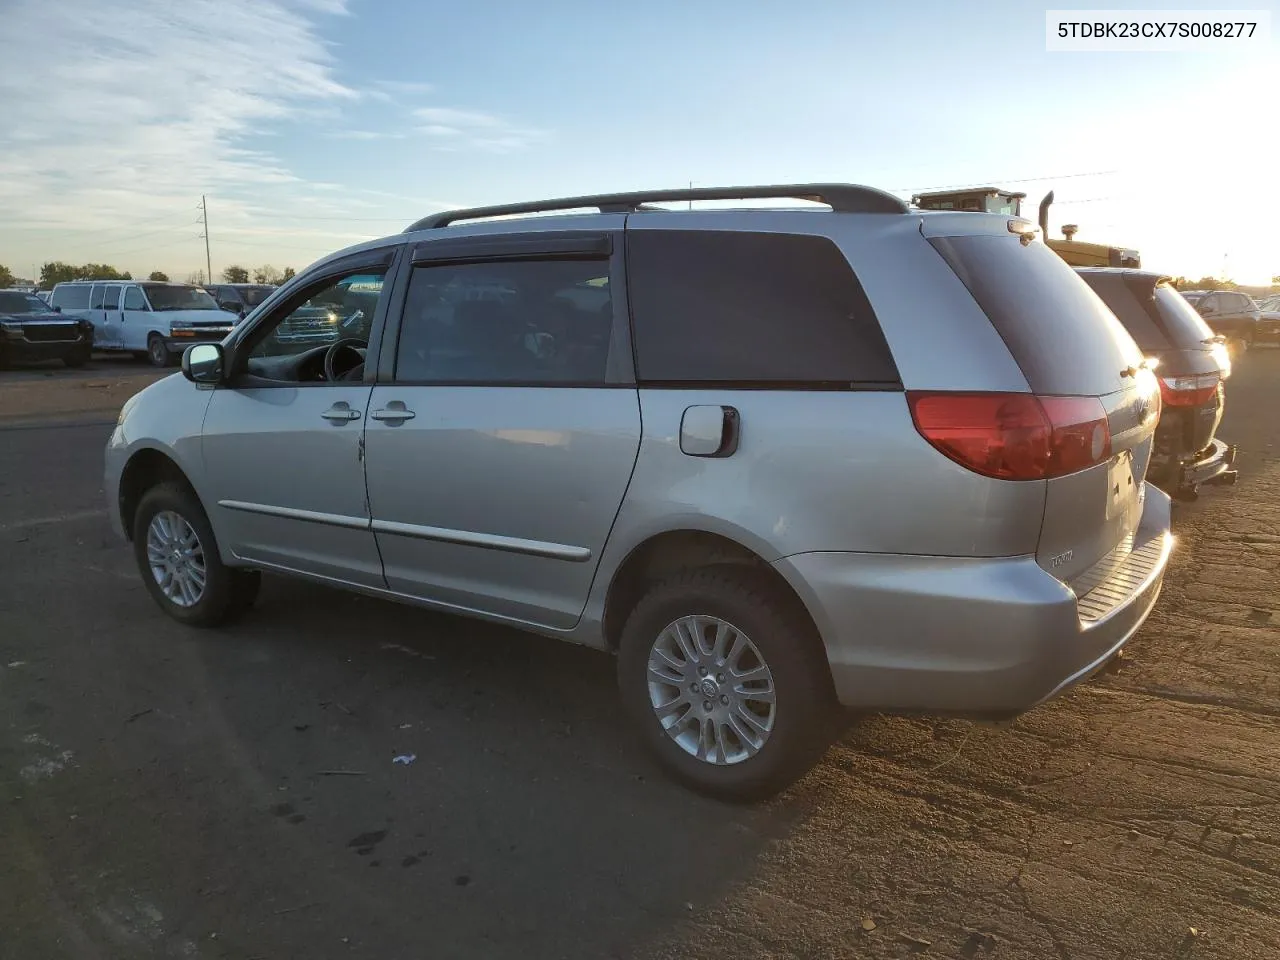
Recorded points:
(394, 412)
(341, 412)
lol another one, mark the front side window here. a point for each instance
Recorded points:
(508, 322)
(334, 309)
(95, 300)
(111, 299)
(133, 299)
(751, 309)
(252, 296)
(176, 296)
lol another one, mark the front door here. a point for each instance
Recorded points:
(501, 447)
(283, 447)
(135, 319)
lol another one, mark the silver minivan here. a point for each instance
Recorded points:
(777, 460)
(146, 318)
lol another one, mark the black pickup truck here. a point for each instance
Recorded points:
(30, 330)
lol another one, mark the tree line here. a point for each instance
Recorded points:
(55, 272)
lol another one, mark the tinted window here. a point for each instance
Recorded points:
(95, 299)
(1126, 302)
(1209, 304)
(1061, 334)
(133, 299)
(111, 300)
(1242, 303)
(526, 321)
(252, 296)
(750, 308)
(1184, 325)
(71, 297)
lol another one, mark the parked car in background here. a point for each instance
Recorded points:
(1233, 315)
(152, 320)
(1269, 321)
(778, 460)
(1193, 365)
(31, 330)
(239, 298)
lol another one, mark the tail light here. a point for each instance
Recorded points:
(1014, 436)
(1189, 391)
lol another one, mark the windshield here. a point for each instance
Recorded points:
(164, 296)
(11, 302)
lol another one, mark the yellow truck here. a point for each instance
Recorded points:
(1078, 253)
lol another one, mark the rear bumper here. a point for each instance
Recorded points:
(989, 637)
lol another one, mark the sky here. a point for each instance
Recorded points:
(312, 124)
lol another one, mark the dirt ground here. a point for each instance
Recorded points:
(176, 794)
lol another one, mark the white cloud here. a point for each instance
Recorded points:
(390, 90)
(453, 129)
(107, 144)
(136, 115)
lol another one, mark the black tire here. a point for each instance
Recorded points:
(157, 353)
(228, 591)
(76, 359)
(788, 644)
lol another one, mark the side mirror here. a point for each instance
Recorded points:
(57, 309)
(203, 363)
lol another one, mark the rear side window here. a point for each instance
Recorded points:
(111, 299)
(71, 297)
(1185, 327)
(751, 309)
(99, 292)
(1126, 302)
(1058, 330)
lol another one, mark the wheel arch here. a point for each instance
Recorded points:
(663, 554)
(145, 468)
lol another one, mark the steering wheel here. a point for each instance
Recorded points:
(354, 344)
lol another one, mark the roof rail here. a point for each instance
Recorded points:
(841, 197)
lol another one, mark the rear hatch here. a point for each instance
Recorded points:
(1087, 373)
(1192, 362)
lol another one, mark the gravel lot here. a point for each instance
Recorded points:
(169, 793)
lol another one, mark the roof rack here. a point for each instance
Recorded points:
(841, 197)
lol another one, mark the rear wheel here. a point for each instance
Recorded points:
(178, 558)
(726, 682)
(157, 352)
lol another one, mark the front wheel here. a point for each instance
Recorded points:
(178, 558)
(76, 359)
(157, 352)
(727, 682)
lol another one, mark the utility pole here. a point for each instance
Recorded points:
(208, 263)
(691, 200)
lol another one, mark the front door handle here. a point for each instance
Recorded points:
(341, 412)
(394, 412)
